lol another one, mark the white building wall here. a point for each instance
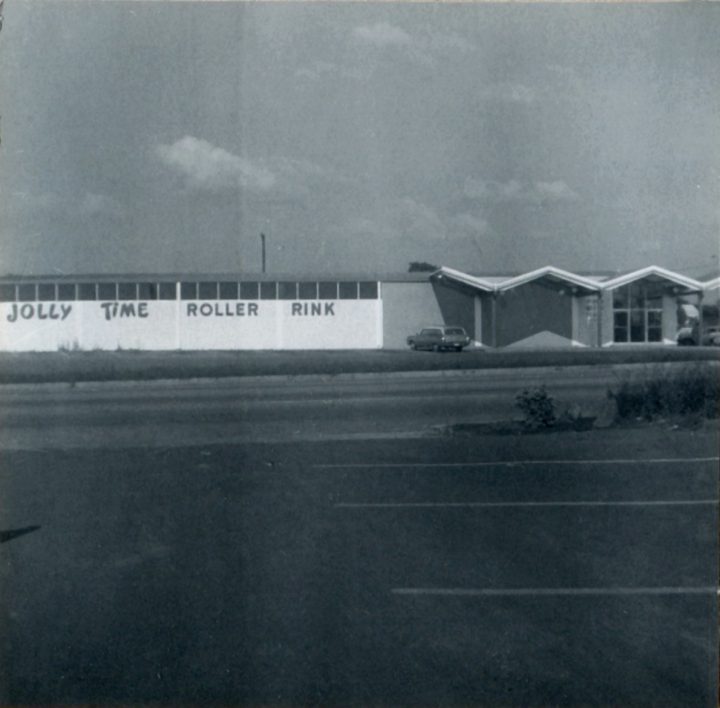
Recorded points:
(407, 308)
(606, 318)
(669, 318)
(191, 325)
(477, 304)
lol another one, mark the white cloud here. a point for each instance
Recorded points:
(494, 192)
(209, 168)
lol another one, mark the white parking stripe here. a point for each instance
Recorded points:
(518, 463)
(491, 505)
(550, 592)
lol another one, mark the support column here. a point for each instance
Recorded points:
(493, 320)
(700, 318)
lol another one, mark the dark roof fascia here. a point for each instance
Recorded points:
(216, 277)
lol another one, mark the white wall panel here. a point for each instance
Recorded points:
(330, 324)
(39, 326)
(128, 325)
(227, 324)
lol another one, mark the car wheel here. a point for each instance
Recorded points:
(458, 349)
(413, 346)
(436, 347)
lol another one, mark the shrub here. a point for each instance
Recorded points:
(537, 406)
(664, 393)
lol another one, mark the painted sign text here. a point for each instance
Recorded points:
(313, 309)
(124, 309)
(40, 311)
(207, 309)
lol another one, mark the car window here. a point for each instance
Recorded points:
(454, 330)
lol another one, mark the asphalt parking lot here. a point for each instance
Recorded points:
(563, 569)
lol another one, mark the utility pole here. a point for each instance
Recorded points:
(262, 240)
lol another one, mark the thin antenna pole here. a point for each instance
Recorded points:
(262, 239)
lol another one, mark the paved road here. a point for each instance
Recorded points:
(565, 569)
(277, 408)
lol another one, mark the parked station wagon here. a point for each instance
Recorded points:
(438, 338)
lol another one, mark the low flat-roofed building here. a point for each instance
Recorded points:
(545, 307)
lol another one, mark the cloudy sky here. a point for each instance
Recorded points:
(140, 137)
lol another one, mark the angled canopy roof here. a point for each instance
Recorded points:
(457, 276)
(655, 272)
(713, 284)
(587, 283)
(552, 273)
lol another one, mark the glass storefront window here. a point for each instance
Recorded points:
(368, 290)
(127, 291)
(348, 291)
(637, 313)
(66, 291)
(147, 291)
(248, 291)
(621, 326)
(620, 298)
(637, 326)
(26, 292)
(654, 318)
(168, 291)
(307, 291)
(228, 291)
(87, 291)
(636, 295)
(268, 291)
(107, 291)
(188, 291)
(327, 291)
(7, 292)
(46, 292)
(207, 291)
(287, 291)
